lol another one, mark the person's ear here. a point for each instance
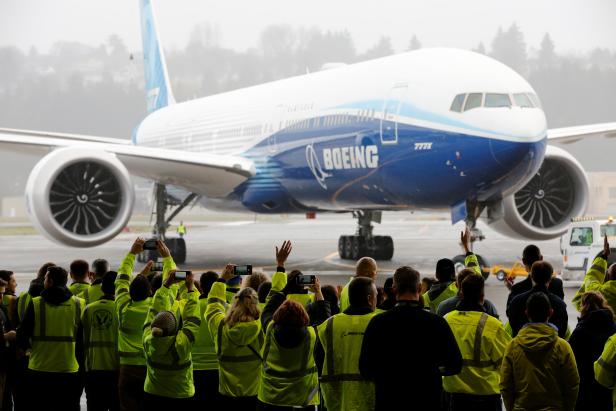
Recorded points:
(551, 313)
(526, 313)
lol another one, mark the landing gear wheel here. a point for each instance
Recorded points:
(358, 248)
(341, 250)
(501, 275)
(384, 247)
(458, 262)
(177, 247)
(348, 246)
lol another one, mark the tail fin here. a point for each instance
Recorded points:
(157, 84)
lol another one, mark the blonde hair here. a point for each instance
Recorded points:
(593, 301)
(245, 307)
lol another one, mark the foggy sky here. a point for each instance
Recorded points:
(576, 26)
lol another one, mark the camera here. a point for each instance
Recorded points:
(181, 275)
(242, 269)
(150, 244)
(305, 279)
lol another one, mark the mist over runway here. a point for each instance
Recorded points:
(420, 239)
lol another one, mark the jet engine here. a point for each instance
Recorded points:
(542, 209)
(79, 196)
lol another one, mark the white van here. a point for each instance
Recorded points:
(582, 242)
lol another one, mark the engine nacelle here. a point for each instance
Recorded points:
(79, 196)
(543, 208)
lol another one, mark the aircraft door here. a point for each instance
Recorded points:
(391, 109)
(276, 127)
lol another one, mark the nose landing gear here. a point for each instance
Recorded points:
(363, 243)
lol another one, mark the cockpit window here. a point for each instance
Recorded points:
(533, 97)
(456, 105)
(473, 101)
(497, 100)
(522, 100)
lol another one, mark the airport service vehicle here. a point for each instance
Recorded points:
(581, 243)
(516, 270)
(435, 129)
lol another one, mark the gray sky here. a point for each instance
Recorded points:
(575, 26)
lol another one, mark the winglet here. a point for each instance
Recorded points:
(157, 85)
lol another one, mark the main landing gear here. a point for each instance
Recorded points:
(363, 243)
(163, 202)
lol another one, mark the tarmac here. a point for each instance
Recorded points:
(420, 240)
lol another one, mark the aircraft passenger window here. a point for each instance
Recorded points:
(522, 100)
(456, 105)
(473, 101)
(533, 97)
(581, 236)
(497, 100)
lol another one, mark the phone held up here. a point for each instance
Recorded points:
(306, 279)
(181, 275)
(150, 244)
(242, 269)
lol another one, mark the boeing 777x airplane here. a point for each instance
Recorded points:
(439, 129)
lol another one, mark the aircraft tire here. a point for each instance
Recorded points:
(177, 246)
(341, 250)
(384, 247)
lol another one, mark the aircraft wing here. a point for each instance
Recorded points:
(568, 135)
(212, 175)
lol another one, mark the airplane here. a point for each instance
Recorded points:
(432, 129)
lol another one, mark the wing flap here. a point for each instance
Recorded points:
(212, 175)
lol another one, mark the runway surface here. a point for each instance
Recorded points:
(420, 240)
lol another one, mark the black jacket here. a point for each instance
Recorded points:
(555, 287)
(587, 341)
(406, 351)
(516, 311)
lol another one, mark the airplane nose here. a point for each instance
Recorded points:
(525, 139)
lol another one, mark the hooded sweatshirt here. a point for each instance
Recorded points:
(539, 371)
(238, 347)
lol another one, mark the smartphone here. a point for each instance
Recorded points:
(306, 279)
(181, 275)
(150, 244)
(242, 269)
(157, 267)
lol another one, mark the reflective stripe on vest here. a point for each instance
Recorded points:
(303, 369)
(43, 325)
(235, 358)
(304, 376)
(55, 353)
(329, 341)
(476, 360)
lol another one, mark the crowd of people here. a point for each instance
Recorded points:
(167, 339)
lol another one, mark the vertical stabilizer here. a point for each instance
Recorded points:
(157, 86)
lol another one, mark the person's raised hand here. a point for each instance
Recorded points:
(606, 247)
(190, 282)
(509, 282)
(227, 272)
(162, 248)
(170, 279)
(145, 271)
(465, 239)
(316, 289)
(137, 246)
(283, 252)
